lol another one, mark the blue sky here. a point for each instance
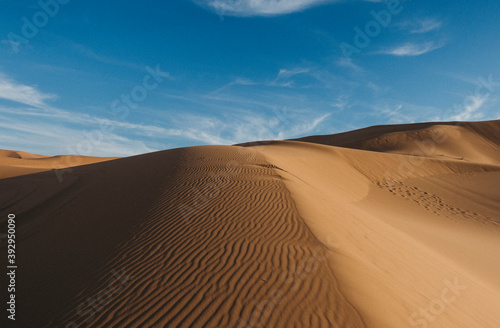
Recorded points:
(101, 78)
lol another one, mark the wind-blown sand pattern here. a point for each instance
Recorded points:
(394, 226)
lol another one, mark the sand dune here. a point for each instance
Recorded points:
(477, 142)
(16, 163)
(390, 226)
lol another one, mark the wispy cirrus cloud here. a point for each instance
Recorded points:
(82, 120)
(348, 63)
(43, 131)
(472, 109)
(51, 138)
(395, 111)
(259, 7)
(246, 8)
(247, 127)
(245, 110)
(104, 59)
(23, 94)
(411, 49)
(89, 53)
(299, 77)
(422, 26)
(284, 76)
(287, 73)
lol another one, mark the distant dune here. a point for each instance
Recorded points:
(16, 163)
(389, 226)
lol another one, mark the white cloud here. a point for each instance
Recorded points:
(50, 138)
(242, 111)
(237, 82)
(347, 63)
(423, 26)
(277, 128)
(305, 127)
(288, 73)
(24, 94)
(82, 119)
(245, 127)
(284, 77)
(471, 108)
(411, 49)
(341, 103)
(56, 131)
(393, 111)
(259, 7)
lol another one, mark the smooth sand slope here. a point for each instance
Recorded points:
(394, 226)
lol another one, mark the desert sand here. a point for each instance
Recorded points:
(16, 163)
(389, 226)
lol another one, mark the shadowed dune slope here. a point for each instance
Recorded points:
(197, 237)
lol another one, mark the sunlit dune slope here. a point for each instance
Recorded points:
(405, 223)
(469, 141)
